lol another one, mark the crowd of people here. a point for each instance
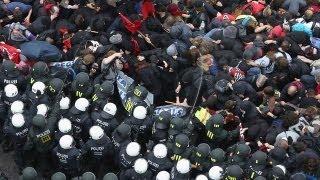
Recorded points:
(161, 89)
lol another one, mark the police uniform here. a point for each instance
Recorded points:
(132, 175)
(240, 153)
(136, 98)
(40, 72)
(105, 120)
(139, 128)
(233, 172)
(257, 165)
(11, 75)
(98, 152)
(179, 149)
(177, 126)
(200, 159)
(217, 157)
(158, 164)
(160, 127)
(81, 87)
(67, 160)
(102, 95)
(120, 139)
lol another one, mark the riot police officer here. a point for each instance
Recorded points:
(257, 165)
(136, 98)
(37, 96)
(217, 157)
(39, 73)
(182, 170)
(55, 92)
(215, 173)
(200, 159)
(163, 175)
(121, 137)
(179, 149)
(64, 128)
(106, 118)
(233, 172)
(160, 127)
(11, 75)
(98, 149)
(81, 87)
(67, 156)
(80, 119)
(17, 132)
(140, 171)
(158, 160)
(140, 123)
(177, 126)
(239, 154)
(41, 141)
(102, 95)
(129, 155)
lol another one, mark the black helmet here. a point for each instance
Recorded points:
(88, 176)
(39, 70)
(82, 79)
(140, 92)
(39, 121)
(203, 150)
(9, 68)
(55, 85)
(58, 176)
(123, 130)
(217, 155)
(163, 120)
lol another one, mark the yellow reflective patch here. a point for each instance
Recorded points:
(210, 134)
(45, 138)
(94, 97)
(178, 145)
(198, 154)
(52, 89)
(137, 92)
(129, 105)
(79, 94)
(252, 175)
(31, 81)
(213, 160)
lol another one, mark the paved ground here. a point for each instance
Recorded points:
(7, 165)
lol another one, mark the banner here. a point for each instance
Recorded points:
(175, 111)
(123, 83)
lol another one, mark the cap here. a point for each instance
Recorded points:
(163, 120)
(160, 151)
(39, 70)
(183, 166)
(58, 176)
(88, 176)
(17, 120)
(64, 125)
(201, 177)
(9, 68)
(39, 121)
(233, 172)
(82, 79)
(176, 125)
(110, 176)
(66, 142)
(140, 166)
(96, 132)
(258, 160)
(11, 90)
(181, 142)
(217, 155)
(215, 173)
(122, 131)
(29, 173)
(202, 150)
(133, 149)
(64, 103)
(277, 155)
(140, 92)
(277, 172)
(216, 121)
(17, 107)
(242, 150)
(107, 88)
(55, 85)
(163, 175)
(140, 112)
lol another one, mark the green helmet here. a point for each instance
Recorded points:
(29, 173)
(58, 176)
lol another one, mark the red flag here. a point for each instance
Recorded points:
(133, 27)
(12, 52)
(135, 46)
(147, 9)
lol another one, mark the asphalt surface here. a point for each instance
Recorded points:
(7, 165)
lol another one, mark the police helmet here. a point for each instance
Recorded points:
(66, 142)
(29, 173)
(17, 107)
(201, 177)
(55, 85)
(133, 149)
(17, 120)
(215, 173)
(58, 176)
(11, 90)
(42, 109)
(183, 166)
(64, 125)
(163, 175)
(160, 151)
(39, 121)
(39, 69)
(110, 176)
(96, 132)
(140, 166)
(82, 79)
(88, 176)
(38, 88)
(140, 112)
(110, 108)
(64, 103)
(81, 104)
